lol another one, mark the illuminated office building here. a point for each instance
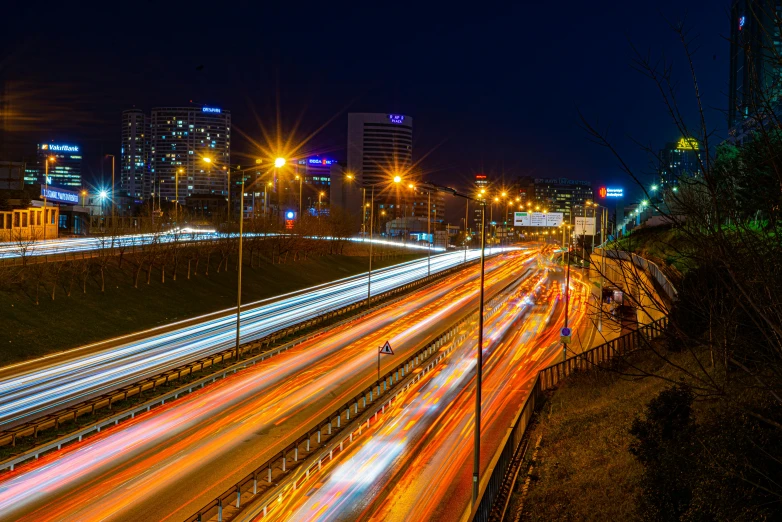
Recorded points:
(134, 155)
(554, 194)
(678, 161)
(195, 141)
(64, 170)
(380, 146)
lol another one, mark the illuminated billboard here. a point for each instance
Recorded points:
(611, 192)
(59, 147)
(211, 110)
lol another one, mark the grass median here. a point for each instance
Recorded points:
(28, 330)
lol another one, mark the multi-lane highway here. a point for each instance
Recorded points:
(50, 247)
(416, 463)
(32, 389)
(167, 463)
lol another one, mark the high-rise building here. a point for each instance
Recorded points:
(134, 155)
(554, 194)
(193, 142)
(64, 170)
(755, 69)
(380, 146)
(678, 160)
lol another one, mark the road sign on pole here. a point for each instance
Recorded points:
(385, 349)
(565, 332)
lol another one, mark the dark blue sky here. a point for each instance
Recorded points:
(495, 88)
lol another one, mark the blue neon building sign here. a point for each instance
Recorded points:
(212, 110)
(396, 118)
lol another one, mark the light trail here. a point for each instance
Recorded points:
(44, 247)
(32, 389)
(416, 463)
(165, 464)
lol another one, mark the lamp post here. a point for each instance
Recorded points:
(301, 180)
(46, 193)
(112, 187)
(479, 357)
(397, 179)
(176, 196)
(320, 203)
(278, 164)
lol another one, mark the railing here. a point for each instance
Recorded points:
(324, 440)
(647, 266)
(263, 345)
(497, 482)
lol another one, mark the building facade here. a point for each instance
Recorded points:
(755, 82)
(380, 146)
(64, 165)
(678, 161)
(554, 194)
(134, 155)
(191, 145)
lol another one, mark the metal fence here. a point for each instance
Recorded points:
(647, 266)
(497, 481)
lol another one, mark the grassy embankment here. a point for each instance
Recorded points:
(583, 469)
(28, 330)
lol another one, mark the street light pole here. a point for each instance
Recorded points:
(239, 283)
(479, 357)
(112, 189)
(369, 274)
(479, 368)
(429, 233)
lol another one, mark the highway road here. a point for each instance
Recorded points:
(416, 463)
(167, 463)
(31, 389)
(75, 245)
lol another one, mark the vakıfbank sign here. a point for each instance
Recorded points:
(58, 147)
(537, 219)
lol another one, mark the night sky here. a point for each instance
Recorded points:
(495, 88)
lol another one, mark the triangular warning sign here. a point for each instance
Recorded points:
(386, 348)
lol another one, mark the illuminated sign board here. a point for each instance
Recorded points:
(537, 219)
(687, 144)
(58, 147)
(320, 161)
(60, 195)
(396, 118)
(480, 176)
(608, 192)
(290, 214)
(212, 110)
(742, 21)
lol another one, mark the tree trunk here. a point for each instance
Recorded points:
(102, 280)
(188, 268)
(149, 273)
(195, 272)
(138, 272)
(208, 258)
(163, 273)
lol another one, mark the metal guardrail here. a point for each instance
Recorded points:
(106, 400)
(647, 266)
(294, 460)
(495, 482)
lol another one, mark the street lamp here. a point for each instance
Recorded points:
(113, 191)
(46, 192)
(397, 179)
(176, 196)
(278, 164)
(300, 180)
(479, 360)
(320, 202)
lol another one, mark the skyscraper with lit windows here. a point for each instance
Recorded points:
(64, 170)
(196, 141)
(134, 155)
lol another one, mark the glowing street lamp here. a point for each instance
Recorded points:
(279, 163)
